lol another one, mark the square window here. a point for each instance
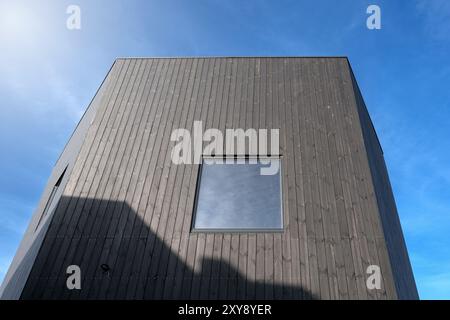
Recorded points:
(239, 194)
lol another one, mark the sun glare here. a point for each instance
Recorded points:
(18, 25)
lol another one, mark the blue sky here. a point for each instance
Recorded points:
(48, 75)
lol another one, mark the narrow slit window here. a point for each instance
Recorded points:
(239, 194)
(51, 197)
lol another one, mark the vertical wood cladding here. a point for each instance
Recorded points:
(393, 235)
(128, 206)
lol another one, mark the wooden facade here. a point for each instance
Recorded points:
(124, 210)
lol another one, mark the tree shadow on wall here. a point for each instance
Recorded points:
(120, 257)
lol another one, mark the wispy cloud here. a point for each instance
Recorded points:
(418, 158)
(432, 275)
(436, 17)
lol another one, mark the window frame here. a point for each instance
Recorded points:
(193, 229)
(50, 199)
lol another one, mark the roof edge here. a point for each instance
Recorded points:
(234, 57)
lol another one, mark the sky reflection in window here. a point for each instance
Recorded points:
(237, 196)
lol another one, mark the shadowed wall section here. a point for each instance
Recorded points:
(138, 267)
(393, 235)
(128, 206)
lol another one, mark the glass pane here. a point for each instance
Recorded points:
(237, 196)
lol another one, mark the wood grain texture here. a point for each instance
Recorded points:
(128, 206)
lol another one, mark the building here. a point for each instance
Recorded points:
(139, 226)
